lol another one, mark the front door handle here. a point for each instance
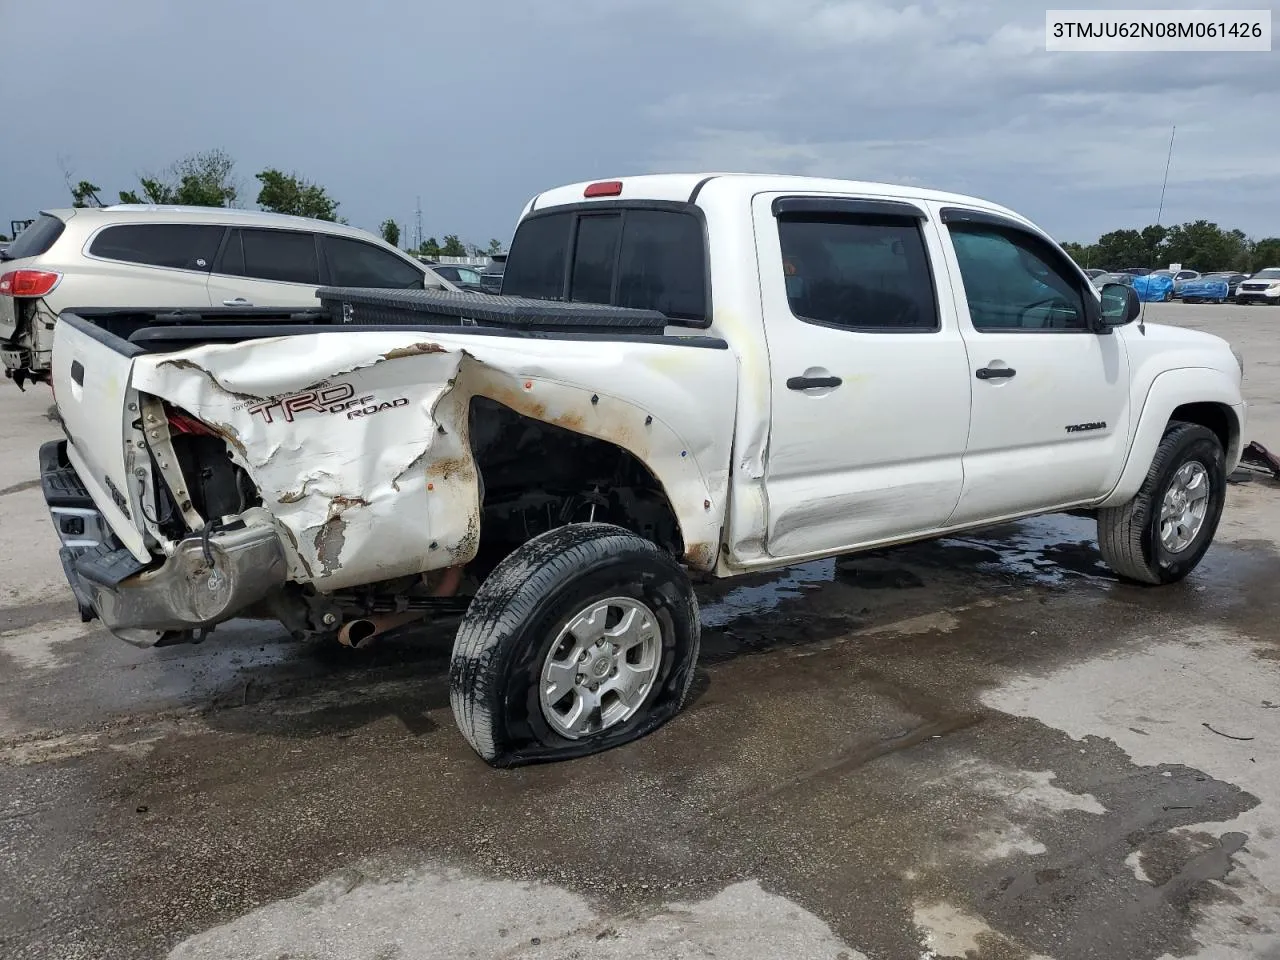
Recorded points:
(237, 302)
(995, 373)
(810, 383)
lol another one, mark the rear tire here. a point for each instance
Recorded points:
(591, 594)
(1156, 538)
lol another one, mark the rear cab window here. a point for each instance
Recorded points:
(36, 239)
(177, 245)
(648, 256)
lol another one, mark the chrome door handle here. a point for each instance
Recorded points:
(237, 302)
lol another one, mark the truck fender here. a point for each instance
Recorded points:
(1201, 386)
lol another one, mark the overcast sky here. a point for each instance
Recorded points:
(477, 106)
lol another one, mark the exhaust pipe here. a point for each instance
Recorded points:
(360, 633)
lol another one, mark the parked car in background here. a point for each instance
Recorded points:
(1103, 279)
(464, 278)
(1181, 278)
(1136, 271)
(1093, 273)
(140, 255)
(1233, 278)
(491, 276)
(1261, 287)
(1209, 288)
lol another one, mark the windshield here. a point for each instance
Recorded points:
(1271, 273)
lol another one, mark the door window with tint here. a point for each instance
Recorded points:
(276, 255)
(182, 246)
(1013, 282)
(868, 273)
(353, 263)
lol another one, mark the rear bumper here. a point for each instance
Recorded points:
(204, 582)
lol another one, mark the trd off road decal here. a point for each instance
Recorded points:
(339, 398)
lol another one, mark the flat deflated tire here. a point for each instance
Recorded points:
(582, 639)
(1162, 534)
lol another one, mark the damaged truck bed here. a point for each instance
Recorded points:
(684, 375)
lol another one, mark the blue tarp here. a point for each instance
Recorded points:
(1152, 287)
(1206, 288)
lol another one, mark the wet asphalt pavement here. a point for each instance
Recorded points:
(983, 747)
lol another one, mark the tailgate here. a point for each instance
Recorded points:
(91, 372)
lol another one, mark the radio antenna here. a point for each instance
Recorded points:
(1142, 317)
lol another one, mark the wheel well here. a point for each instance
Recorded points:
(1214, 416)
(536, 476)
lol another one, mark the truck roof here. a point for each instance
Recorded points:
(685, 187)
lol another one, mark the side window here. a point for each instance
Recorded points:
(353, 263)
(867, 273)
(280, 255)
(1012, 281)
(535, 267)
(183, 246)
(663, 264)
(594, 257)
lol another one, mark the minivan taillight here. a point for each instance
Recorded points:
(28, 283)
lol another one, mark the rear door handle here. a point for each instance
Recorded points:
(995, 373)
(809, 383)
(77, 372)
(237, 302)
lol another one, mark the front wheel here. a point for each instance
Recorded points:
(582, 639)
(1161, 535)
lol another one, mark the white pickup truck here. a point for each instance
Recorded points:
(712, 374)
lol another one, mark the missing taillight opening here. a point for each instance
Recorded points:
(28, 283)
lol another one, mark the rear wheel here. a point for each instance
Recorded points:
(582, 639)
(1161, 535)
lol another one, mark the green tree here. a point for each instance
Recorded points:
(1265, 253)
(390, 232)
(197, 180)
(452, 246)
(430, 248)
(495, 247)
(291, 194)
(1122, 248)
(85, 194)
(1202, 245)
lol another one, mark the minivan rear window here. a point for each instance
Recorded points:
(36, 239)
(643, 257)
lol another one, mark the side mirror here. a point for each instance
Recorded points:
(1120, 304)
